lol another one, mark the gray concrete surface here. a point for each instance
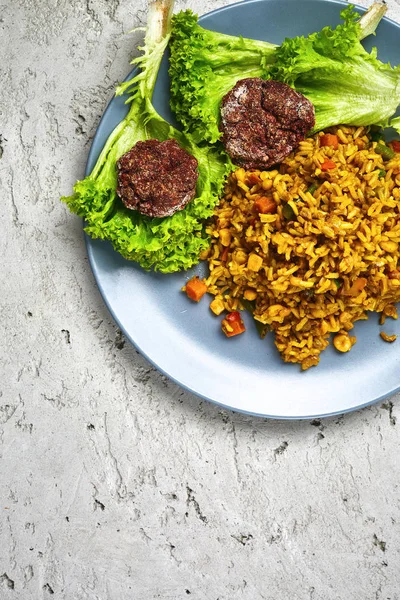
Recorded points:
(115, 484)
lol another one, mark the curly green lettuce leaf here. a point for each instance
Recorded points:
(395, 124)
(345, 83)
(164, 244)
(204, 66)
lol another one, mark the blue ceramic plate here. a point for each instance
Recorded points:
(183, 339)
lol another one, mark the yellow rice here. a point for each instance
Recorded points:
(300, 271)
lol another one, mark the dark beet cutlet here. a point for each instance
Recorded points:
(157, 178)
(263, 121)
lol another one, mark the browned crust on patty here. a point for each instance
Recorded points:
(263, 121)
(157, 178)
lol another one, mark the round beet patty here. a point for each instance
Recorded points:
(263, 121)
(157, 178)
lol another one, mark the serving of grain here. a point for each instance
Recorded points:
(312, 245)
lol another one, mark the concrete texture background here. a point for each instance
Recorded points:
(115, 484)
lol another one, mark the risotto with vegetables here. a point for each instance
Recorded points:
(313, 245)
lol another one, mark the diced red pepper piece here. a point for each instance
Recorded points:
(264, 205)
(329, 139)
(195, 289)
(327, 165)
(233, 324)
(396, 145)
(234, 317)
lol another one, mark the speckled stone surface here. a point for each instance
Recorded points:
(115, 484)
